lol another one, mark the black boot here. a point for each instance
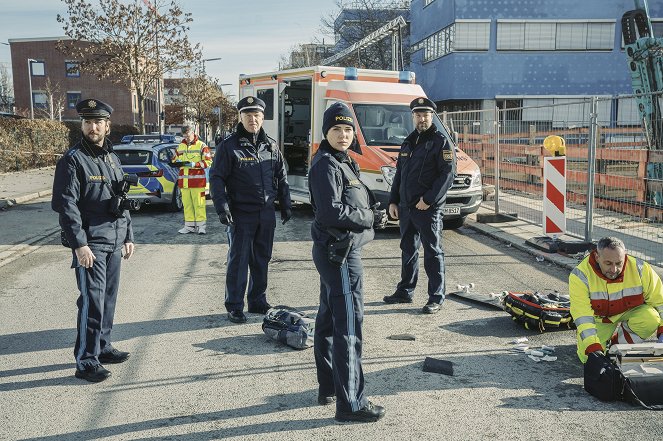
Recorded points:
(367, 414)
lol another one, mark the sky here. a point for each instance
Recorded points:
(248, 35)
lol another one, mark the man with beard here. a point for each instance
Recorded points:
(615, 298)
(247, 176)
(98, 231)
(425, 170)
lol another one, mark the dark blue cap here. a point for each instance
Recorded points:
(91, 108)
(251, 104)
(338, 113)
(423, 104)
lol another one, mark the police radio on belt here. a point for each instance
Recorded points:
(120, 202)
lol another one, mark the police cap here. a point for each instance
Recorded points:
(423, 104)
(251, 104)
(92, 108)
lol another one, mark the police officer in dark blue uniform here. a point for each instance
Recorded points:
(247, 176)
(343, 223)
(85, 194)
(425, 170)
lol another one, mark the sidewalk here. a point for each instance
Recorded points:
(23, 186)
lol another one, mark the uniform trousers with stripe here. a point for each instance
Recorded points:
(633, 326)
(421, 227)
(250, 239)
(98, 288)
(338, 336)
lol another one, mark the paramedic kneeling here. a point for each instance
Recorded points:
(615, 298)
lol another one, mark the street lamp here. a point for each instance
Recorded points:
(32, 107)
(208, 59)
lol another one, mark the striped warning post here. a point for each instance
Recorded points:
(554, 195)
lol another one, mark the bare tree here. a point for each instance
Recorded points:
(135, 42)
(55, 100)
(6, 90)
(305, 54)
(354, 20)
(199, 96)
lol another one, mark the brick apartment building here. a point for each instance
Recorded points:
(71, 84)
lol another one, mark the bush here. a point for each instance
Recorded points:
(26, 143)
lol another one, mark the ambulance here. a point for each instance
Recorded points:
(297, 98)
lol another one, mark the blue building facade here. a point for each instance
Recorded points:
(470, 54)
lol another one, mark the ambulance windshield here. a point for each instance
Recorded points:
(387, 124)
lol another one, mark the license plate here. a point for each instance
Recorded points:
(450, 210)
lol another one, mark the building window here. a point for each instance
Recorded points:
(545, 35)
(428, 2)
(465, 35)
(267, 95)
(72, 69)
(37, 68)
(72, 99)
(39, 99)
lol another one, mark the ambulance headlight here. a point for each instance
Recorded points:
(476, 180)
(388, 172)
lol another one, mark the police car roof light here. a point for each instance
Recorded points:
(351, 73)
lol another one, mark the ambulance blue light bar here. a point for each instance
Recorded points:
(405, 76)
(351, 73)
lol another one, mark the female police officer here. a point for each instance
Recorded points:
(343, 224)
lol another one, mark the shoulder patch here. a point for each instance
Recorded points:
(447, 155)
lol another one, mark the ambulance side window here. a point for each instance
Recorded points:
(267, 95)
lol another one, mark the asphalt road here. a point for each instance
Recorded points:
(194, 376)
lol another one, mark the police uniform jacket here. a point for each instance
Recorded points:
(81, 195)
(426, 167)
(247, 176)
(340, 200)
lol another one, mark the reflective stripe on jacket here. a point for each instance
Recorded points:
(199, 154)
(596, 298)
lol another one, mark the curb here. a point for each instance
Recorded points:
(6, 203)
(495, 233)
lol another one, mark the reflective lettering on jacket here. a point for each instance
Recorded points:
(594, 298)
(199, 154)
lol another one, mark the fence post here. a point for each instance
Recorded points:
(591, 166)
(496, 125)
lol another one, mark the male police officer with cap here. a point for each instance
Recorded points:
(247, 176)
(85, 182)
(425, 171)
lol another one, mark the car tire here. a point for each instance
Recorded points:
(453, 224)
(176, 204)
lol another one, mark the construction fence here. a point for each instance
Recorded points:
(614, 160)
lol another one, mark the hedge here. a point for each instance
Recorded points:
(27, 143)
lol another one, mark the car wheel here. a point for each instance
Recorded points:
(453, 224)
(176, 203)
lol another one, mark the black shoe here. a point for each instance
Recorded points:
(94, 373)
(236, 317)
(396, 298)
(325, 400)
(113, 356)
(367, 414)
(260, 309)
(431, 308)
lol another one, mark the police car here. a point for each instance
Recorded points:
(157, 178)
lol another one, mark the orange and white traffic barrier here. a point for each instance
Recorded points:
(554, 187)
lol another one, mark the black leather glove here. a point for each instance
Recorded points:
(380, 219)
(286, 214)
(225, 217)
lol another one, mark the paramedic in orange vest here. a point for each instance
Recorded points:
(615, 298)
(194, 157)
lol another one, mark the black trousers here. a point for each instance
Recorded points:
(338, 336)
(251, 239)
(421, 227)
(98, 288)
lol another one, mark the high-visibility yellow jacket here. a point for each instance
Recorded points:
(198, 153)
(595, 298)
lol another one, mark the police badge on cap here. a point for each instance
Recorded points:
(423, 104)
(91, 108)
(251, 104)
